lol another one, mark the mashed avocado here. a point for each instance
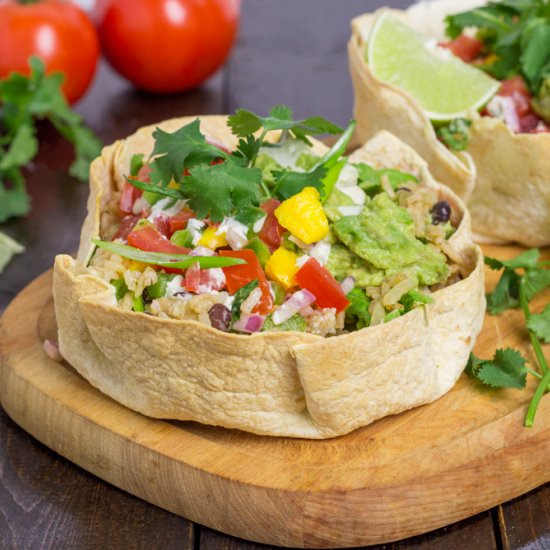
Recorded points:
(383, 236)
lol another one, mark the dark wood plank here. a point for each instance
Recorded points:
(294, 53)
(48, 503)
(525, 521)
(475, 533)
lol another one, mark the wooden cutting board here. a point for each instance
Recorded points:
(401, 476)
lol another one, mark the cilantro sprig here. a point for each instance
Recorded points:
(217, 183)
(515, 33)
(23, 101)
(456, 134)
(522, 278)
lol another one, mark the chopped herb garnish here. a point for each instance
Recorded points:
(23, 100)
(456, 134)
(523, 277)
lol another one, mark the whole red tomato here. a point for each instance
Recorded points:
(58, 32)
(167, 45)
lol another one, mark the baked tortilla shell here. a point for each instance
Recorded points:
(503, 177)
(282, 384)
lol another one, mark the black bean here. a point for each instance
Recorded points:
(441, 212)
(220, 317)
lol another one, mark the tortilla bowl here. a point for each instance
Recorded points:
(503, 177)
(281, 384)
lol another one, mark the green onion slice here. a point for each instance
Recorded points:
(178, 261)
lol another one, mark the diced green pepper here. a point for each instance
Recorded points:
(136, 164)
(151, 197)
(158, 289)
(138, 304)
(260, 249)
(279, 293)
(296, 323)
(120, 288)
(182, 238)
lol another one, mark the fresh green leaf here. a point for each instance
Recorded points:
(456, 134)
(493, 17)
(244, 123)
(250, 215)
(219, 190)
(174, 152)
(535, 281)
(506, 293)
(535, 41)
(540, 324)
(506, 370)
(177, 261)
(24, 99)
(240, 296)
(524, 260)
(289, 183)
(22, 149)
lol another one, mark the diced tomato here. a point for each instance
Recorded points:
(149, 238)
(516, 89)
(465, 47)
(193, 278)
(317, 279)
(179, 221)
(213, 279)
(162, 223)
(131, 194)
(126, 225)
(236, 276)
(128, 197)
(271, 232)
(144, 173)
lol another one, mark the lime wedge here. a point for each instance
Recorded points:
(445, 86)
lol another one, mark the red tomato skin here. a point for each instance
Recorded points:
(149, 238)
(236, 276)
(179, 221)
(317, 279)
(128, 197)
(126, 225)
(58, 32)
(465, 47)
(167, 46)
(271, 232)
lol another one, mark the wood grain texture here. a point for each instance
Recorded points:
(524, 521)
(385, 482)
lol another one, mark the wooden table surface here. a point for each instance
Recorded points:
(290, 52)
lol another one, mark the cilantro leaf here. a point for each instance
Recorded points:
(535, 281)
(25, 99)
(524, 260)
(218, 190)
(506, 293)
(289, 183)
(456, 134)
(540, 324)
(535, 41)
(244, 123)
(176, 151)
(506, 370)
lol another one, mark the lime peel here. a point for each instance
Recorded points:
(445, 86)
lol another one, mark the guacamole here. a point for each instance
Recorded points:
(380, 242)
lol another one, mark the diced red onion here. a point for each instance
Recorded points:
(52, 351)
(306, 311)
(202, 251)
(347, 284)
(250, 323)
(293, 305)
(251, 301)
